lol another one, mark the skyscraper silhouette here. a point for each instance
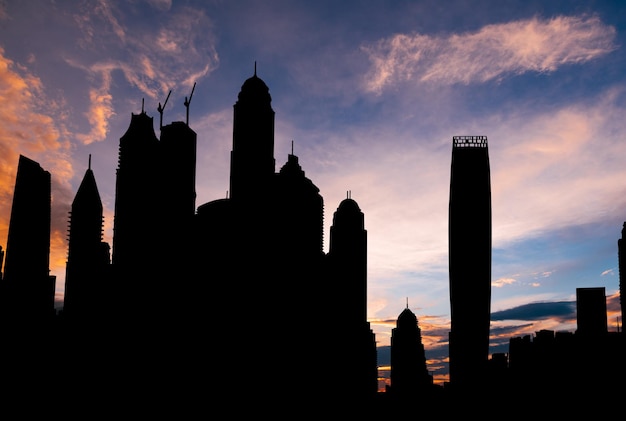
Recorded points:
(347, 277)
(154, 210)
(27, 283)
(621, 261)
(469, 253)
(255, 257)
(409, 376)
(252, 163)
(88, 257)
(242, 280)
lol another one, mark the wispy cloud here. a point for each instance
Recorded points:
(173, 53)
(99, 112)
(493, 52)
(499, 283)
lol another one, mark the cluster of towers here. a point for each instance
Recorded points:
(230, 295)
(234, 290)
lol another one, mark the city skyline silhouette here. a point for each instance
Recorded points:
(271, 227)
(366, 108)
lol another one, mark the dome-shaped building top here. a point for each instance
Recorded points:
(349, 214)
(349, 205)
(254, 88)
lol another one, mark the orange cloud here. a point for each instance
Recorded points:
(99, 113)
(31, 128)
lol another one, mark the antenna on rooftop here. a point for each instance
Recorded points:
(161, 108)
(255, 67)
(89, 163)
(142, 105)
(187, 101)
(292, 146)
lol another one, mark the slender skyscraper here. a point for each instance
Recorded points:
(27, 280)
(621, 256)
(252, 163)
(469, 254)
(354, 342)
(88, 255)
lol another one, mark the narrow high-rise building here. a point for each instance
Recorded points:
(469, 254)
(621, 259)
(176, 181)
(347, 255)
(347, 265)
(28, 287)
(136, 198)
(88, 257)
(252, 163)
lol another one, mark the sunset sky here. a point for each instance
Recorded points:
(371, 94)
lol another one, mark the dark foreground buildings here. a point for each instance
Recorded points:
(216, 308)
(224, 299)
(588, 365)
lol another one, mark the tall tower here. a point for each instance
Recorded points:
(137, 250)
(621, 259)
(252, 163)
(469, 254)
(347, 265)
(177, 197)
(136, 197)
(27, 279)
(348, 258)
(88, 257)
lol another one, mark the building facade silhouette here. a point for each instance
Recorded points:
(244, 278)
(621, 262)
(88, 258)
(409, 375)
(231, 295)
(347, 277)
(591, 315)
(27, 285)
(469, 254)
(587, 364)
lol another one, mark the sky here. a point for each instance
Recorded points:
(370, 94)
